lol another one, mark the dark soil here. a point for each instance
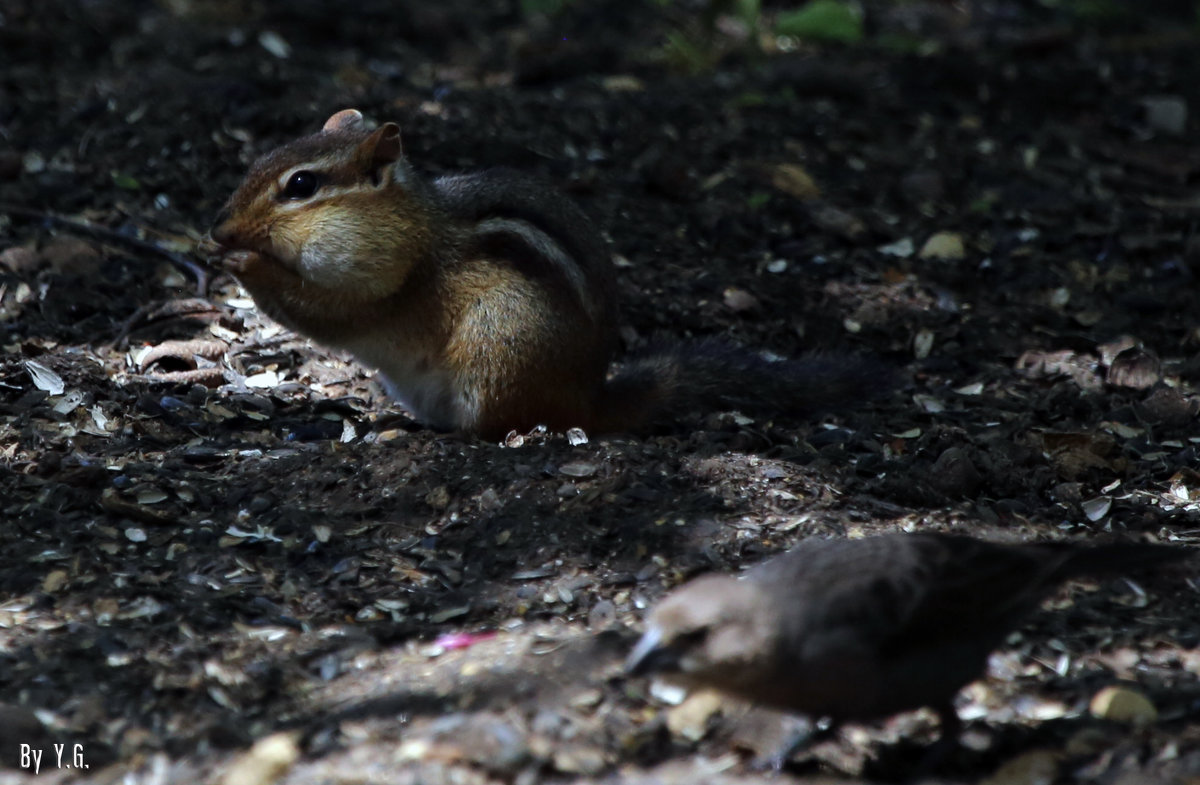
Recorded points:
(216, 532)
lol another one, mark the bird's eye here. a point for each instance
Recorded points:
(300, 185)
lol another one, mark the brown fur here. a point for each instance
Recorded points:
(512, 345)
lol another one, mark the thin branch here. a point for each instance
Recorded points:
(106, 235)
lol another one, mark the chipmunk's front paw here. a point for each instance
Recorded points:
(208, 247)
(239, 262)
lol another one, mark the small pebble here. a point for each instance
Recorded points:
(1123, 704)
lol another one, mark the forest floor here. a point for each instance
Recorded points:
(215, 532)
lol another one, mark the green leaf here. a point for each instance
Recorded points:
(1102, 12)
(688, 54)
(901, 43)
(543, 7)
(128, 182)
(750, 98)
(984, 203)
(822, 20)
(748, 11)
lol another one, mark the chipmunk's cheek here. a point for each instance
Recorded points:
(326, 265)
(334, 260)
(287, 249)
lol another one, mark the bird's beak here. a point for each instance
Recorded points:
(651, 655)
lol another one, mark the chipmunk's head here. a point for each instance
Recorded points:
(334, 208)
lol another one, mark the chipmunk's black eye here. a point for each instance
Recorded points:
(300, 185)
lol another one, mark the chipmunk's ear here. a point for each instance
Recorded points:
(381, 148)
(345, 120)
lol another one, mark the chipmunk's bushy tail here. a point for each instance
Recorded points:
(662, 384)
(1117, 557)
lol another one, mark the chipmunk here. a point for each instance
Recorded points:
(487, 301)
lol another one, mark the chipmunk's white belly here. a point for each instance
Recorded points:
(419, 386)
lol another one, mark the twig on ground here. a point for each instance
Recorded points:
(106, 235)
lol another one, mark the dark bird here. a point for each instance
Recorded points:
(858, 630)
